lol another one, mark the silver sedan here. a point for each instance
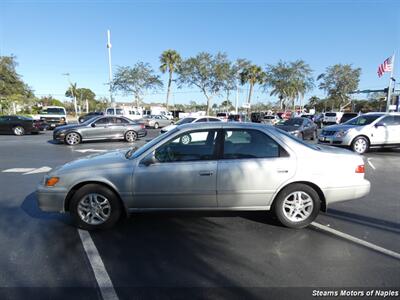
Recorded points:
(157, 121)
(100, 128)
(208, 166)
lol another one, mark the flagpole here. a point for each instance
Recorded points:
(389, 94)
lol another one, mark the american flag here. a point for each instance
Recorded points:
(386, 66)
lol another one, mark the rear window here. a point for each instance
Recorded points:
(222, 114)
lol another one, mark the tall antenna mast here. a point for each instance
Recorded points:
(109, 66)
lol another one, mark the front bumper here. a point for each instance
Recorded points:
(335, 141)
(51, 199)
(58, 136)
(337, 194)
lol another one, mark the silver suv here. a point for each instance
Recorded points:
(365, 131)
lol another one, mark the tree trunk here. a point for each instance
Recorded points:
(281, 101)
(208, 101)
(168, 89)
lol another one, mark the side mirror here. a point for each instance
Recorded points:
(379, 124)
(93, 125)
(150, 159)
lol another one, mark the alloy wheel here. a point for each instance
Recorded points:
(72, 138)
(94, 209)
(131, 136)
(19, 130)
(360, 145)
(297, 206)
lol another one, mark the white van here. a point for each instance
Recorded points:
(129, 112)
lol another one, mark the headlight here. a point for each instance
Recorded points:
(341, 133)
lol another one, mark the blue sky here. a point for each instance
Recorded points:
(50, 38)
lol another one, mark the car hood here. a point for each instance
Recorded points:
(108, 160)
(341, 127)
(288, 128)
(67, 127)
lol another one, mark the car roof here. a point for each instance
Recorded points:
(221, 125)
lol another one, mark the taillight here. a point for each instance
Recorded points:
(360, 169)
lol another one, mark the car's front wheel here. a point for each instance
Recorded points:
(156, 126)
(72, 138)
(360, 145)
(297, 205)
(95, 206)
(19, 130)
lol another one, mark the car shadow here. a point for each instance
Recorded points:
(31, 208)
(364, 220)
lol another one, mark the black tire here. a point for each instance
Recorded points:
(130, 136)
(72, 138)
(19, 130)
(156, 125)
(314, 135)
(286, 194)
(115, 209)
(360, 145)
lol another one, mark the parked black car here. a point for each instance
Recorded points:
(90, 115)
(303, 128)
(18, 125)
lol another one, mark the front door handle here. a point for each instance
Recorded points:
(206, 173)
(282, 171)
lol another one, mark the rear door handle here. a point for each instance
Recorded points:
(282, 171)
(206, 173)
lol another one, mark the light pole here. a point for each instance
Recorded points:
(110, 66)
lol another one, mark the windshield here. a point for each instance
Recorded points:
(53, 111)
(185, 121)
(141, 150)
(363, 120)
(293, 122)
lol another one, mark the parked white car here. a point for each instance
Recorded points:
(189, 120)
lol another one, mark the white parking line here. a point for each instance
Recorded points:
(370, 163)
(357, 240)
(28, 171)
(99, 270)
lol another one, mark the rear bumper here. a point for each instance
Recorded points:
(337, 194)
(51, 200)
(142, 133)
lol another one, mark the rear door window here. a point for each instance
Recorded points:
(239, 144)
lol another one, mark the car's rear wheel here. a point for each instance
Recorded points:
(156, 126)
(72, 138)
(19, 130)
(130, 136)
(360, 145)
(95, 206)
(297, 205)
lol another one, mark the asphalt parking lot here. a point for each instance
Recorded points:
(196, 255)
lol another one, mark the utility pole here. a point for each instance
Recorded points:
(389, 94)
(237, 98)
(110, 67)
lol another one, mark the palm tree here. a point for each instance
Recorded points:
(72, 92)
(170, 61)
(252, 75)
